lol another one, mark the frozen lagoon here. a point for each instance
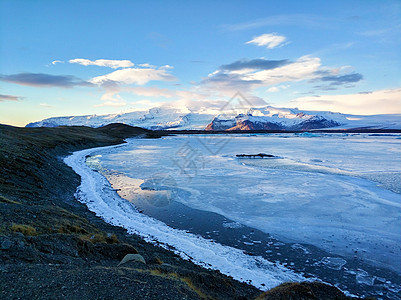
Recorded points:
(338, 193)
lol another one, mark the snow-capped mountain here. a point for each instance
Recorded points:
(154, 118)
(264, 118)
(269, 118)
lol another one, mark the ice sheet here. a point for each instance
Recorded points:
(95, 191)
(315, 193)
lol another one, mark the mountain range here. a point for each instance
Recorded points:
(262, 118)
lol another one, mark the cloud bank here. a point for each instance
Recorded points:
(115, 82)
(247, 75)
(139, 76)
(44, 80)
(343, 79)
(254, 64)
(369, 103)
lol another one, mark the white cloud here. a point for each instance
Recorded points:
(376, 102)
(166, 67)
(226, 81)
(270, 40)
(145, 104)
(46, 105)
(304, 68)
(111, 95)
(146, 66)
(150, 91)
(113, 83)
(57, 62)
(115, 64)
(192, 95)
(277, 88)
(135, 76)
(111, 98)
(165, 93)
(273, 89)
(111, 104)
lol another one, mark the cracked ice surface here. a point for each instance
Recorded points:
(316, 192)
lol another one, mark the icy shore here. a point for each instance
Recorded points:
(96, 192)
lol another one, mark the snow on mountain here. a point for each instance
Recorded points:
(154, 118)
(267, 118)
(270, 118)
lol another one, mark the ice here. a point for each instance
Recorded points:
(300, 248)
(335, 263)
(316, 193)
(233, 225)
(95, 191)
(362, 277)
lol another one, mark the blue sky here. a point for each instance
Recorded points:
(61, 58)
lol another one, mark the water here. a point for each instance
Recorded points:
(327, 206)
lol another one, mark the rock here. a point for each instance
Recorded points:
(259, 155)
(130, 257)
(5, 244)
(114, 251)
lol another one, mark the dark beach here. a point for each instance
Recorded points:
(51, 246)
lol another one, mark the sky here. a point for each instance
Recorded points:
(67, 58)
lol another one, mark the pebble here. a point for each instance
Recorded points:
(6, 244)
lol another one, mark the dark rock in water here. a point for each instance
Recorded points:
(259, 155)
